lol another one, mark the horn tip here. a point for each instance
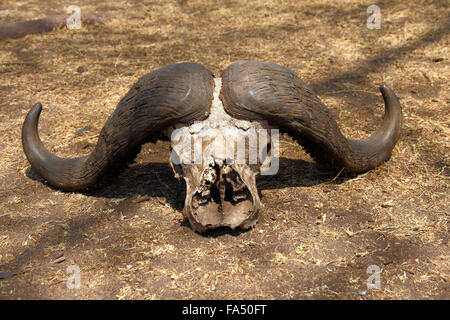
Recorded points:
(37, 106)
(35, 111)
(384, 87)
(388, 93)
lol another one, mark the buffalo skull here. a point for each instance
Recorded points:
(205, 118)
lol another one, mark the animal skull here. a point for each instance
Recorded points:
(219, 159)
(223, 133)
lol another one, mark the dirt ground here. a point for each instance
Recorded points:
(318, 232)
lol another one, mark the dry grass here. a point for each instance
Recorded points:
(316, 237)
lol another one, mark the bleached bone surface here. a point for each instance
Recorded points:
(219, 135)
(219, 158)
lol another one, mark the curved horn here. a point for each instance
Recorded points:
(172, 94)
(256, 90)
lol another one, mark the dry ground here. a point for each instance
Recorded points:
(316, 236)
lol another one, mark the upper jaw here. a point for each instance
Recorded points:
(225, 196)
